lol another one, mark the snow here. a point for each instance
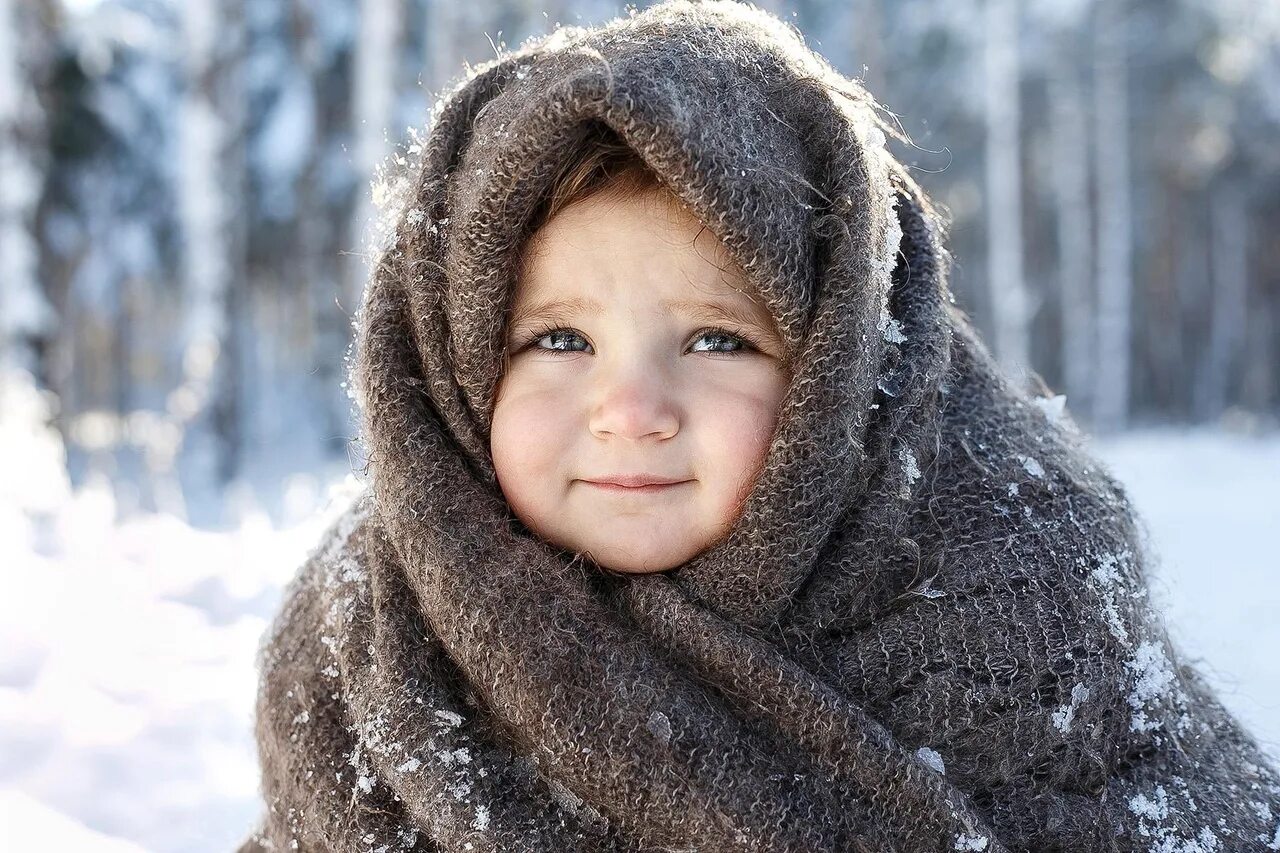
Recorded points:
(1211, 503)
(971, 842)
(931, 758)
(1063, 717)
(127, 648)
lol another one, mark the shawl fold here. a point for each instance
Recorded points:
(927, 631)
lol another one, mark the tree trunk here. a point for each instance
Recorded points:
(1009, 304)
(1115, 220)
(25, 315)
(1229, 275)
(211, 191)
(1074, 228)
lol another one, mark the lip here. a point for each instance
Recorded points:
(635, 482)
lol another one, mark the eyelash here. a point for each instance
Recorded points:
(545, 329)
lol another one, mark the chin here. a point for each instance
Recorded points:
(629, 565)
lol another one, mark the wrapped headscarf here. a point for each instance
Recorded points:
(928, 630)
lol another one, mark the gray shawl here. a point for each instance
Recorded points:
(928, 631)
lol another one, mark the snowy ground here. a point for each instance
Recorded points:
(126, 650)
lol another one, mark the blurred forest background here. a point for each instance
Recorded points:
(187, 189)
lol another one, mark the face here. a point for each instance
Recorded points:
(634, 350)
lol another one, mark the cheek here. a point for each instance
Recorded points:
(739, 421)
(526, 438)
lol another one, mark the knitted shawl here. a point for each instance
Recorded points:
(928, 630)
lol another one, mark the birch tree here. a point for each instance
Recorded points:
(1009, 302)
(25, 316)
(1115, 216)
(1069, 139)
(1228, 323)
(373, 99)
(211, 199)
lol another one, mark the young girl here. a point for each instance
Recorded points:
(700, 520)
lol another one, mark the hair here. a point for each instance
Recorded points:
(609, 167)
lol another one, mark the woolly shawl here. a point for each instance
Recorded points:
(928, 630)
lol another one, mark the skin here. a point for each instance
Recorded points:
(635, 387)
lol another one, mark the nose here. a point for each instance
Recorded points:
(633, 406)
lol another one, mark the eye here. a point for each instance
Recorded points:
(562, 339)
(558, 336)
(739, 342)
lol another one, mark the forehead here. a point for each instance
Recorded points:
(600, 249)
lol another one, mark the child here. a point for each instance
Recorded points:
(650, 399)
(886, 602)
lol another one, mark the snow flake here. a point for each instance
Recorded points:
(452, 757)
(970, 842)
(1031, 466)
(450, 718)
(910, 466)
(409, 766)
(1150, 809)
(931, 758)
(1152, 677)
(1053, 407)
(1064, 716)
(659, 726)
(890, 328)
(481, 821)
(1109, 581)
(1274, 844)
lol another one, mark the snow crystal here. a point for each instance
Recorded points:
(1031, 466)
(1274, 844)
(890, 328)
(909, 464)
(452, 757)
(1063, 717)
(481, 821)
(409, 766)
(1152, 677)
(365, 783)
(1053, 407)
(970, 842)
(660, 726)
(1152, 809)
(1109, 580)
(452, 719)
(931, 758)
(304, 717)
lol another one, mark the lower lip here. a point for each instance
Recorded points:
(634, 490)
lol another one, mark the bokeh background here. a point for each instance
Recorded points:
(189, 202)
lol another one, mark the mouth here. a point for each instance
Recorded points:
(635, 484)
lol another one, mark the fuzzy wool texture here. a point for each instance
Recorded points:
(927, 631)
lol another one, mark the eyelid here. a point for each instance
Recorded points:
(529, 338)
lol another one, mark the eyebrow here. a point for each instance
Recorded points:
(707, 311)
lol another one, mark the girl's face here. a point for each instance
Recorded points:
(633, 351)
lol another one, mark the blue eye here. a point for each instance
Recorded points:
(556, 334)
(723, 336)
(562, 340)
